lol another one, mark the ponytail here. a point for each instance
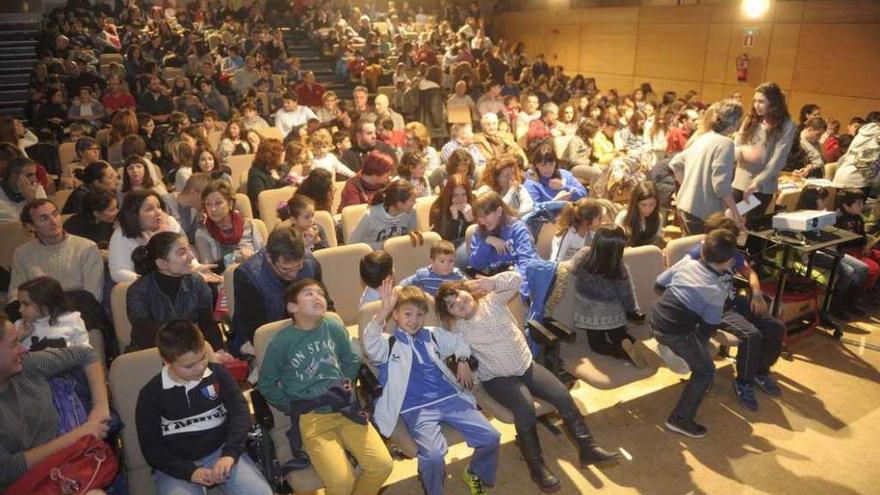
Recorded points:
(398, 191)
(574, 214)
(160, 245)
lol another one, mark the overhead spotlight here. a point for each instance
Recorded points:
(755, 9)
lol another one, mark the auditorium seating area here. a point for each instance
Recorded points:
(269, 140)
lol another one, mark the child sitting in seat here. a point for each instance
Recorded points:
(687, 313)
(47, 321)
(419, 388)
(849, 217)
(193, 421)
(605, 298)
(442, 269)
(322, 156)
(375, 268)
(307, 367)
(391, 214)
(300, 210)
(852, 276)
(575, 228)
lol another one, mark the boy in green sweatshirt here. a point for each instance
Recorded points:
(307, 361)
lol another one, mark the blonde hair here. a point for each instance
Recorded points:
(321, 137)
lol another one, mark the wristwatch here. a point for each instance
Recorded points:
(462, 359)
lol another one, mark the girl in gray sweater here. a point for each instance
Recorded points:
(605, 297)
(390, 215)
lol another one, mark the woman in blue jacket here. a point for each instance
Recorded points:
(501, 240)
(547, 182)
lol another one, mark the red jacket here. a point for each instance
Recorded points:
(357, 192)
(310, 95)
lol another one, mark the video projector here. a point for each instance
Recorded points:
(803, 221)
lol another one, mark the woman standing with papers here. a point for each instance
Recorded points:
(705, 169)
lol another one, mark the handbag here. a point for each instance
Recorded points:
(85, 465)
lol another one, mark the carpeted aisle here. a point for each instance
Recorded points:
(818, 438)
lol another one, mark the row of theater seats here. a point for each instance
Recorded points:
(131, 371)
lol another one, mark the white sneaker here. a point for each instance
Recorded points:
(673, 361)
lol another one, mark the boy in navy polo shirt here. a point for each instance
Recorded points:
(193, 421)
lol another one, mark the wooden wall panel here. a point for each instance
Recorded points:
(608, 48)
(717, 49)
(827, 52)
(783, 52)
(562, 45)
(840, 59)
(837, 11)
(672, 51)
(689, 13)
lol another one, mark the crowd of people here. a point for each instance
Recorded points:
(159, 99)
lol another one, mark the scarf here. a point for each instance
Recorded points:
(221, 236)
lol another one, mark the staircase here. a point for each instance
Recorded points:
(309, 53)
(18, 42)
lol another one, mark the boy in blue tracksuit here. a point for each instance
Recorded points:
(686, 315)
(419, 388)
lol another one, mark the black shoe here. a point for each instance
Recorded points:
(527, 439)
(686, 427)
(588, 452)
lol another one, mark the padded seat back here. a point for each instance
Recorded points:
(351, 216)
(268, 201)
(341, 268)
(120, 314)
(679, 248)
(128, 375)
(409, 258)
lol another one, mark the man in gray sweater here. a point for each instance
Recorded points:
(705, 169)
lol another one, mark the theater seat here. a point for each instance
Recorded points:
(351, 216)
(12, 235)
(268, 202)
(303, 480)
(604, 372)
(679, 248)
(423, 212)
(243, 205)
(120, 315)
(237, 165)
(341, 267)
(322, 218)
(409, 258)
(128, 374)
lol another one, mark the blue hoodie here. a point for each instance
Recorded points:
(541, 192)
(521, 251)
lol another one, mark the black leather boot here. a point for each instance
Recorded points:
(527, 439)
(588, 452)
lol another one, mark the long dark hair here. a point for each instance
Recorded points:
(633, 222)
(160, 245)
(606, 254)
(95, 200)
(318, 186)
(47, 293)
(777, 112)
(810, 196)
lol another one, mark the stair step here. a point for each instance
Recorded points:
(13, 86)
(18, 55)
(30, 43)
(14, 94)
(17, 77)
(20, 64)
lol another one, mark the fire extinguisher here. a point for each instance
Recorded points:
(742, 67)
